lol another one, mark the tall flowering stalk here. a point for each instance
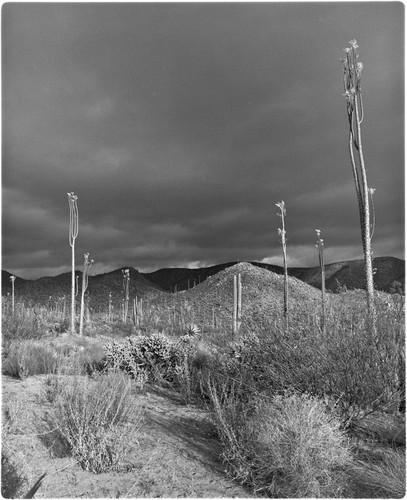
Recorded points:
(237, 304)
(126, 286)
(320, 248)
(283, 239)
(12, 279)
(110, 307)
(85, 279)
(352, 70)
(73, 233)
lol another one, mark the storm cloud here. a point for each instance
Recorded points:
(180, 125)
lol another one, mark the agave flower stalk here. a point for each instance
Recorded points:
(354, 103)
(12, 279)
(126, 286)
(135, 319)
(140, 310)
(283, 239)
(110, 307)
(73, 233)
(234, 317)
(237, 303)
(63, 308)
(85, 279)
(320, 248)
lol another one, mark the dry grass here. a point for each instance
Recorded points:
(300, 450)
(285, 447)
(379, 475)
(98, 419)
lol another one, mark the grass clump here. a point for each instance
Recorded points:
(379, 475)
(299, 450)
(29, 358)
(285, 446)
(13, 481)
(93, 416)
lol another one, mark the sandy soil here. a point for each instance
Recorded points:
(176, 453)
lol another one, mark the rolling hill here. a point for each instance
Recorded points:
(389, 277)
(349, 274)
(100, 285)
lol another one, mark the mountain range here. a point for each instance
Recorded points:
(389, 277)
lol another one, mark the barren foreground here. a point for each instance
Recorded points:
(176, 453)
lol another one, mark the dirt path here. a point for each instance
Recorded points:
(176, 453)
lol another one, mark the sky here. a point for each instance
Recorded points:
(179, 126)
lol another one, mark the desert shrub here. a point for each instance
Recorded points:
(356, 371)
(52, 386)
(93, 417)
(13, 481)
(120, 329)
(157, 355)
(230, 415)
(23, 325)
(90, 357)
(32, 357)
(60, 326)
(285, 446)
(379, 475)
(299, 450)
(29, 358)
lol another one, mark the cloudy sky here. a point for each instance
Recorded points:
(180, 125)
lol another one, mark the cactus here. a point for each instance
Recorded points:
(85, 278)
(320, 248)
(282, 234)
(354, 103)
(73, 233)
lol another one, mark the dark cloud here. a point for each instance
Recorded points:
(180, 126)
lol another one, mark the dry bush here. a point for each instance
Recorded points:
(299, 450)
(229, 415)
(29, 358)
(287, 446)
(161, 357)
(380, 475)
(94, 418)
(13, 470)
(22, 325)
(34, 357)
(353, 369)
(13, 481)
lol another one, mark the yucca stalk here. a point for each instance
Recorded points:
(110, 308)
(354, 103)
(320, 248)
(85, 279)
(283, 239)
(73, 233)
(239, 301)
(12, 279)
(126, 283)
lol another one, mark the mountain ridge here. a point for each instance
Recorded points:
(389, 277)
